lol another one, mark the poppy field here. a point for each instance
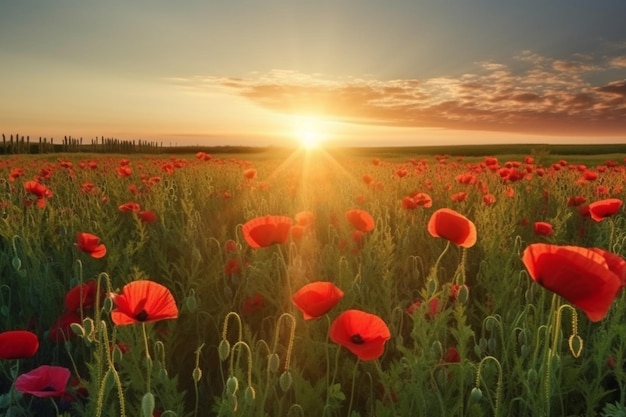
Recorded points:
(311, 284)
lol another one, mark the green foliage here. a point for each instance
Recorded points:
(501, 350)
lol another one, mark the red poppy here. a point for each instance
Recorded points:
(39, 191)
(360, 220)
(45, 381)
(90, 244)
(453, 226)
(230, 246)
(604, 208)
(265, 231)
(81, 295)
(130, 207)
(452, 355)
(614, 262)
(415, 200)
(305, 218)
(143, 301)
(582, 276)
(249, 173)
(433, 308)
(362, 333)
(148, 216)
(316, 299)
(18, 344)
(61, 330)
(543, 228)
(253, 304)
(460, 196)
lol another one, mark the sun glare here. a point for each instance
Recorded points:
(309, 132)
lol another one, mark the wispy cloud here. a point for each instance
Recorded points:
(532, 94)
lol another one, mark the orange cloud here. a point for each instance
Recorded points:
(537, 95)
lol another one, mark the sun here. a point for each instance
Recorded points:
(309, 132)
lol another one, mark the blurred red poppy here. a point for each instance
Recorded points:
(316, 299)
(360, 220)
(81, 295)
(253, 304)
(604, 208)
(61, 330)
(265, 231)
(45, 381)
(543, 228)
(581, 276)
(130, 207)
(453, 226)
(249, 173)
(362, 333)
(90, 244)
(305, 218)
(452, 355)
(143, 301)
(18, 344)
(148, 216)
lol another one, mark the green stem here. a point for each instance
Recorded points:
(148, 358)
(356, 366)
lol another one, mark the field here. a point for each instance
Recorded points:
(298, 283)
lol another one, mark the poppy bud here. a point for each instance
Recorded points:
(249, 395)
(532, 376)
(273, 362)
(478, 351)
(285, 381)
(196, 374)
(77, 329)
(575, 345)
(16, 263)
(492, 344)
(191, 302)
(90, 328)
(437, 349)
(232, 385)
(483, 344)
(431, 287)
(476, 394)
(147, 404)
(223, 350)
(524, 351)
(463, 294)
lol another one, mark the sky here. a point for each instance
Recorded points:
(348, 72)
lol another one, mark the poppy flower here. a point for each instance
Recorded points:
(253, 304)
(129, 207)
(39, 191)
(143, 301)
(453, 226)
(582, 276)
(305, 218)
(90, 244)
(148, 216)
(316, 299)
(360, 220)
(249, 174)
(362, 333)
(543, 228)
(614, 262)
(18, 344)
(265, 231)
(61, 330)
(81, 295)
(604, 208)
(45, 381)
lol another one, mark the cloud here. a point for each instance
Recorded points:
(537, 94)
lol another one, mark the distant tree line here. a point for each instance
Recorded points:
(16, 144)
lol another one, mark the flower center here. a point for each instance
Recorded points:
(142, 315)
(357, 339)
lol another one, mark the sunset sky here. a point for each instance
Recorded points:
(353, 72)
